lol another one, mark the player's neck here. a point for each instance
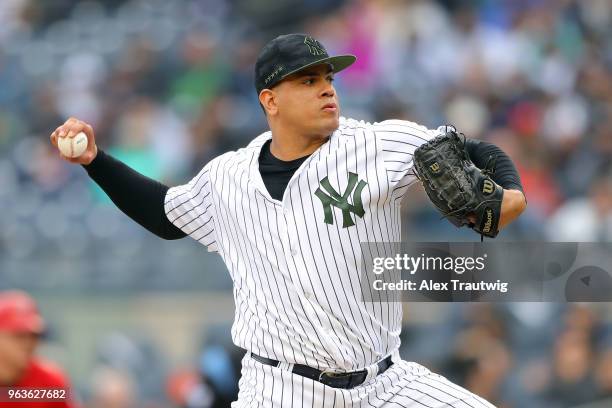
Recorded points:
(288, 146)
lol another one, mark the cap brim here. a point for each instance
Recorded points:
(338, 63)
(23, 324)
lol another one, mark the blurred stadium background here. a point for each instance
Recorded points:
(167, 85)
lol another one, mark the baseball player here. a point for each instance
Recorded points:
(20, 328)
(287, 214)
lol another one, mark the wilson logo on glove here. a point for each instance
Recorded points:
(489, 221)
(488, 187)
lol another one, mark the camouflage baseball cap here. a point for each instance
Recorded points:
(290, 53)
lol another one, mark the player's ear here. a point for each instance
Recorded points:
(268, 100)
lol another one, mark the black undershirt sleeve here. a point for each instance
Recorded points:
(506, 174)
(139, 197)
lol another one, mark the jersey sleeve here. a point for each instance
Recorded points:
(396, 142)
(189, 207)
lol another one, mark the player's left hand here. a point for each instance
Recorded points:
(464, 194)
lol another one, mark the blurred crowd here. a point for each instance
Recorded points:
(167, 85)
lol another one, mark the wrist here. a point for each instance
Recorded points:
(94, 155)
(92, 164)
(513, 204)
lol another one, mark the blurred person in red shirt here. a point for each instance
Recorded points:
(20, 329)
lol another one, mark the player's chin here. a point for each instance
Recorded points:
(330, 123)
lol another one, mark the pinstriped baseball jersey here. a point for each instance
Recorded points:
(295, 263)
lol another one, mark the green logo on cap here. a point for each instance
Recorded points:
(314, 46)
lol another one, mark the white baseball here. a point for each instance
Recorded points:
(73, 146)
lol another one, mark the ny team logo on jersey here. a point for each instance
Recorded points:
(314, 46)
(333, 198)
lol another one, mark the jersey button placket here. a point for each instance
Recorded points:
(284, 233)
(291, 250)
(282, 225)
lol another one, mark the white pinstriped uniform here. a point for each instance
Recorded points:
(296, 277)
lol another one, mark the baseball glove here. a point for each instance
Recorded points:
(463, 193)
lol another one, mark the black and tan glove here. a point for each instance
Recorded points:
(463, 193)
